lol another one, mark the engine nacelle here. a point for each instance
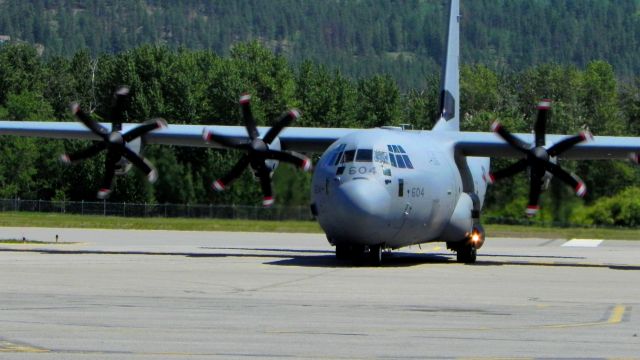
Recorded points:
(123, 165)
(271, 164)
(275, 145)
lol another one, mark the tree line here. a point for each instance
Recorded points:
(402, 38)
(200, 87)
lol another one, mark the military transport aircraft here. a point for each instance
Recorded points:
(372, 189)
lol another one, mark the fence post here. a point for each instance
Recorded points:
(82, 207)
(104, 207)
(124, 209)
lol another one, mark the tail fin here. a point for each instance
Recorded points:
(450, 92)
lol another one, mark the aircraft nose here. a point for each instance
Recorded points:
(362, 198)
(358, 211)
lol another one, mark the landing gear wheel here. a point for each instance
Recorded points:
(375, 255)
(343, 252)
(466, 254)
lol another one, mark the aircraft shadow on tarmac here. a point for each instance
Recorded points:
(326, 258)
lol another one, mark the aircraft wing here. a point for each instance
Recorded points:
(487, 144)
(293, 138)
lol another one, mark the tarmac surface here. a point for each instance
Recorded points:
(111, 294)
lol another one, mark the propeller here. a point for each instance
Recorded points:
(114, 141)
(258, 151)
(539, 160)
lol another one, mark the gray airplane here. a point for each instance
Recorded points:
(372, 189)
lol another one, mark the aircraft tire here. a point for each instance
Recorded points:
(344, 252)
(466, 254)
(375, 255)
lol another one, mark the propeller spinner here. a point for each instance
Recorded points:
(258, 152)
(114, 141)
(539, 159)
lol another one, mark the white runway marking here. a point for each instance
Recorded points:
(583, 243)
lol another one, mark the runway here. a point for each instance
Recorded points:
(109, 294)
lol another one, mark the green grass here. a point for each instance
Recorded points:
(16, 241)
(54, 220)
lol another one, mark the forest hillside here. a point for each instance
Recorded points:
(361, 37)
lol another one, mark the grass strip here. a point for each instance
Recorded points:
(56, 220)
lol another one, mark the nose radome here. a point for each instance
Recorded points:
(362, 199)
(358, 212)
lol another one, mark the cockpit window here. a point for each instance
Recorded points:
(337, 154)
(407, 161)
(398, 157)
(364, 155)
(348, 156)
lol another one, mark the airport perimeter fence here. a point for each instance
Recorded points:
(211, 211)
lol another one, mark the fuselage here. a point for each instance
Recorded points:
(389, 187)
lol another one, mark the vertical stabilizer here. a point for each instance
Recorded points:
(450, 93)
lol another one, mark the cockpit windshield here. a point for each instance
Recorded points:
(348, 156)
(396, 156)
(364, 155)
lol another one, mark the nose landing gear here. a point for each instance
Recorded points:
(466, 254)
(466, 250)
(369, 255)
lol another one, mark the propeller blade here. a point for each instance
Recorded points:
(146, 127)
(296, 159)
(91, 124)
(509, 138)
(119, 107)
(568, 143)
(535, 188)
(510, 170)
(285, 120)
(249, 121)
(540, 127)
(84, 153)
(209, 136)
(235, 172)
(572, 180)
(265, 183)
(141, 163)
(109, 172)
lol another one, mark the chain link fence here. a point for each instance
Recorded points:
(106, 208)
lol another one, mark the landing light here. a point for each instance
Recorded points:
(477, 238)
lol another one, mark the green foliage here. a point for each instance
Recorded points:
(379, 102)
(28, 106)
(622, 209)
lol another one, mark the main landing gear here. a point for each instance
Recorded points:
(466, 254)
(369, 255)
(466, 250)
